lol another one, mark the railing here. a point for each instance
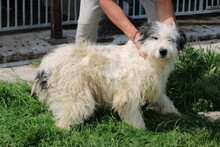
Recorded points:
(27, 14)
(197, 6)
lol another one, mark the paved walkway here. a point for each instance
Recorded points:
(24, 72)
(25, 46)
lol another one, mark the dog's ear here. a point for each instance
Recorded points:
(181, 40)
(42, 78)
(144, 31)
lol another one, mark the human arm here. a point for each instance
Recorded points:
(118, 17)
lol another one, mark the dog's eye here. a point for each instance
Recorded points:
(172, 40)
(155, 38)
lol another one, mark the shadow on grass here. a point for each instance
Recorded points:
(156, 122)
(186, 122)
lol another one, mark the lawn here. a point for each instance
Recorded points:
(194, 86)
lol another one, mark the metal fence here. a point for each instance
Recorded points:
(186, 7)
(27, 14)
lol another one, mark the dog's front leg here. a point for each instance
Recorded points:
(165, 105)
(129, 110)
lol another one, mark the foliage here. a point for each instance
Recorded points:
(195, 83)
(34, 62)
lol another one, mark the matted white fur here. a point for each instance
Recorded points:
(76, 79)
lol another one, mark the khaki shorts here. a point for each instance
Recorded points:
(89, 17)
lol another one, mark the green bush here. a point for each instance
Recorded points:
(195, 83)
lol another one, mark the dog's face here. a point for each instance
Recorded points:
(159, 41)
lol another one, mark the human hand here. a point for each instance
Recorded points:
(138, 45)
(142, 54)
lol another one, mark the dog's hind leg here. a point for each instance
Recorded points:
(74, 108)
(128, 110)
(165, 105)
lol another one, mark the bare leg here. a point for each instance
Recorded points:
(150, 9)
(87, 28)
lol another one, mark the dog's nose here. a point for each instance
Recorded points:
(163, 52)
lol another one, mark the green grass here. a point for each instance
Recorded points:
(34, 62)
(193, 86)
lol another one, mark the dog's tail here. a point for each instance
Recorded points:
(40, 82)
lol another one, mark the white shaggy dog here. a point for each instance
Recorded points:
(76, 79)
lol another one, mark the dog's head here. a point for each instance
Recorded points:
(159, 40)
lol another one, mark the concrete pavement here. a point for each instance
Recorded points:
(24, 72)
(32, 45)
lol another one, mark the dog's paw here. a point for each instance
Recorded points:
(61, 125)
(138, 123)
(176, 114)
(141, 126)
(172, 111)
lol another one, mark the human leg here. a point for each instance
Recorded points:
(150, 9)
(87, 28)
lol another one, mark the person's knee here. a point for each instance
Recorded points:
(87, 32)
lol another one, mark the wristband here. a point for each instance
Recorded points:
(134, 36)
